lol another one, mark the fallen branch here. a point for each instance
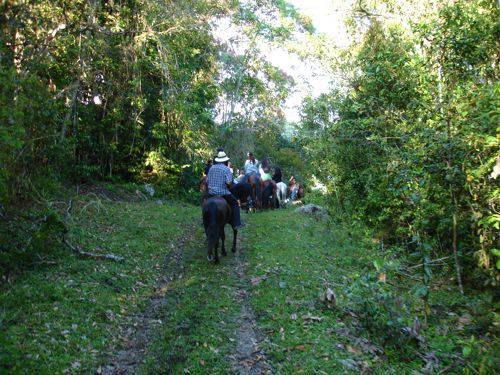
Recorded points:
(68, 209)
(434, 261)
(141, 195)
(458, 362)
(113, 257)
(408, 275)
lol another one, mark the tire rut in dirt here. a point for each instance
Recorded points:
(141, 327)
(249, 357)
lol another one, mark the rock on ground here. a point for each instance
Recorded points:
(312, 209)
(149, 189)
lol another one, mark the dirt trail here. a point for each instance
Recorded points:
(139, 328)
(249, 358)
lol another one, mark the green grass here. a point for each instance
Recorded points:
(72, 315)
(67, 315)
(302, 257)
(200, 318)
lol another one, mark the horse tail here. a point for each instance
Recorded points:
(275, 197)
(211, 224)
(258, 194)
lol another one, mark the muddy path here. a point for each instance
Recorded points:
(166, 309)
(256, 312)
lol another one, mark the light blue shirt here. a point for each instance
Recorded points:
(252, 167)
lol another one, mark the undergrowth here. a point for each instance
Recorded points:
(65, 313)
(375, 317)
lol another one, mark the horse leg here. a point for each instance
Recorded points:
(254, 196)
(216, 250)
(210, 245)
(235, 234)
(210, 254)
(258, 193)
(223, 239)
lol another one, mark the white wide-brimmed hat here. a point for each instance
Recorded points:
(221, 157)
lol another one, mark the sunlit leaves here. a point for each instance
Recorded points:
(411, 141)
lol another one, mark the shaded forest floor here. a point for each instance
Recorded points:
(301, 295)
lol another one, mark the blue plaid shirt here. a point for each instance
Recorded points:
(218, 177)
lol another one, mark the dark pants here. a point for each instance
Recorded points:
(233, 202)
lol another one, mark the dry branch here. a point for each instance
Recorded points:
(113, 257)
(408, 275)
(430, 263)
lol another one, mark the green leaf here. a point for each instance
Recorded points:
(466, 351)
(422, 291)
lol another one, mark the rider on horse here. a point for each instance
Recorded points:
(265, 170)
(251, 165)
(219, 180)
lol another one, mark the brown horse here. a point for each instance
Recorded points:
(255, 182)
(216, 214)
(300, 193)
(269, 195)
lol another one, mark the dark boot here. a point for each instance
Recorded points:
(235, 208)
(236, 218)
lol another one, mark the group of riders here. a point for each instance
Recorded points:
(252, 185)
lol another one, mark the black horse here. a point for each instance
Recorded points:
(269, 196)
(242, 191)
(216, 214)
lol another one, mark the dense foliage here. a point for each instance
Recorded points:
(135, 90)
(409, 143)
(144, 90)
(103, 90)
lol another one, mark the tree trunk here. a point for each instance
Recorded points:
(455, 248)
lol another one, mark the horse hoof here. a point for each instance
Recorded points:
(224, 253)
(233, 250)
(210, 258)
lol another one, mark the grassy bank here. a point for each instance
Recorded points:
(373, 318)
(69, 313)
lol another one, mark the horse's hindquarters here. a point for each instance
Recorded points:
(216, 214)
(281, 193)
